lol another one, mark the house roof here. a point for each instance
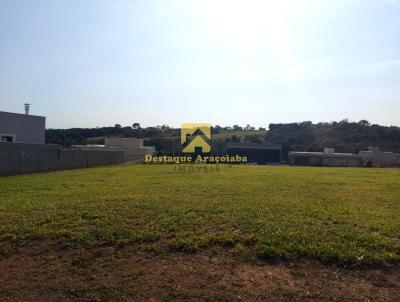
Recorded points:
(21, 114)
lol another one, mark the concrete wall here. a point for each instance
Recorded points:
(26, 128)
(397, 158)
(325, 161)
(29, 158)
(341, 162)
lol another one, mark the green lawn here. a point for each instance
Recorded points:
(335, 214)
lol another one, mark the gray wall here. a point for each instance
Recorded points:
(26, 128)
(29, 158)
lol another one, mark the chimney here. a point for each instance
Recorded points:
(27, 108)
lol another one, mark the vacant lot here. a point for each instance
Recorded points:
(310, 221)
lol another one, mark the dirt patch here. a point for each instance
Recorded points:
(41, 273)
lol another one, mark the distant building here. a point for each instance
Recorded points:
(371, 158)
(22, 128)
(266, 153)
(328, 158)
(23, 148)
(133, 147)
(377, 158)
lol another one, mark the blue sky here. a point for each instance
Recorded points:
(97, 63)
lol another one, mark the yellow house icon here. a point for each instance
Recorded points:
(196, 136)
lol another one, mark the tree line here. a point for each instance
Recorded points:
(344, 136)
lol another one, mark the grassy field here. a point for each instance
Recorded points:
(342, 215)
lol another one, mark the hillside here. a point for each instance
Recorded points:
(344, 136)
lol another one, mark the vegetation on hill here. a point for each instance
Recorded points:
(344, 136)
(346, 216)
(164, 138)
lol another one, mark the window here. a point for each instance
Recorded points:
(7, 138)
